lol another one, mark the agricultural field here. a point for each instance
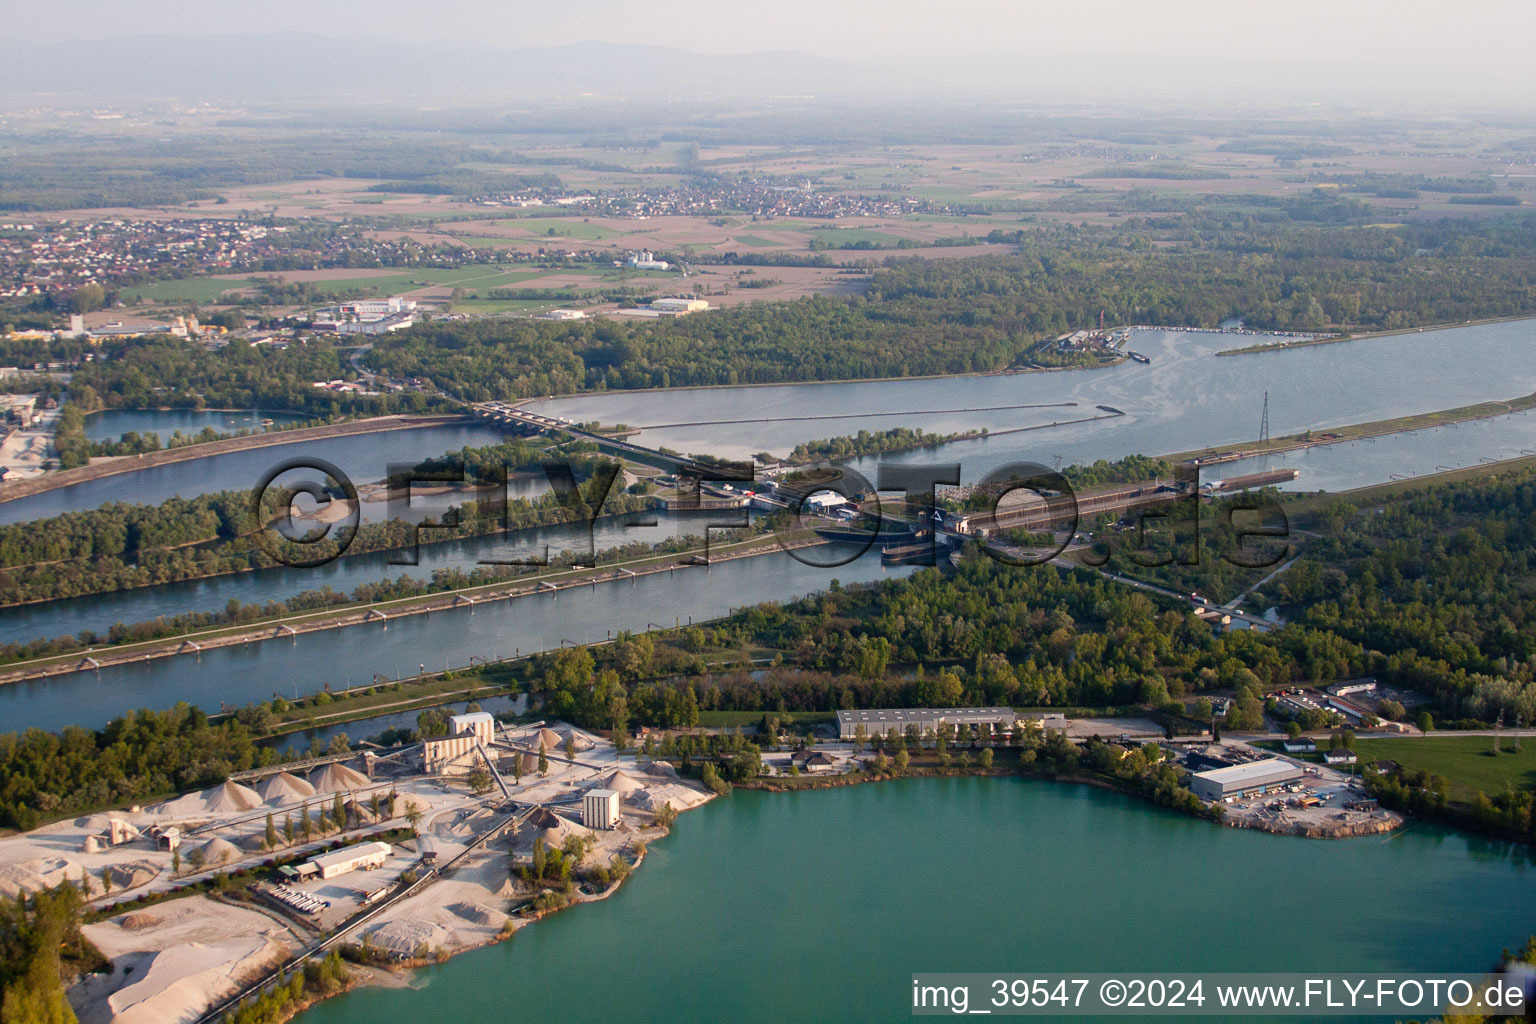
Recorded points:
(557, 227)
(1467, 761)
(758, 242)
(201, 290)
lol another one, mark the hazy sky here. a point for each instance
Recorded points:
(1463, 47)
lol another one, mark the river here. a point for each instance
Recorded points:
(363, 457)
(111, 424)
(821, 905)
(1186, 398)
(100, 612)
(343, 657)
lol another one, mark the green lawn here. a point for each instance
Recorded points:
(564, 228)
(208, 289)
(759, 242)
(843, 237)
(193, 289)
(1464, 760)
(492, 241)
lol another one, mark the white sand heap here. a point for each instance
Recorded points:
(478, 913)
(178, 982)
(131, 876)
(662, 769)
(555, 835)
(552, 740)
(220, 851)
(579, 740)
(679, 796)
(36, 874)
(337, 778)
(285, 788)
(255, 843)
(618, 781)
(407, 935)
(138, 921)
(232, 798)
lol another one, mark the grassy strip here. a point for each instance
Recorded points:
(1396, 488)
(1357, 431)
(1333, 339)
(1466, 762)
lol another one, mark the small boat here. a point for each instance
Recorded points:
(1138, 357)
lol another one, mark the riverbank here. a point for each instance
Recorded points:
(115, 466)
(196, 641)
(1217, 455)
(1334, 339)
(1317, 826)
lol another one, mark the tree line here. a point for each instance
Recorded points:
(123, 546)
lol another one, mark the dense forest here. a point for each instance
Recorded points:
(162, 371)
(979, 314)
(1437, 582)
(122, 546)
(37, 935)
(917, 317)
(865, 442)
(135, 759)
(1413, 595)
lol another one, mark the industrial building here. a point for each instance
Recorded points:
(927, 720)
(446, 755)
(480, 724)
(361, 857)
(382, 325)
(364, 308)
(679, 306)
(600, 809)
(645, 260)
(1240, 780)
(823, 501)
(1299, 745)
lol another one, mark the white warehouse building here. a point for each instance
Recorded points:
(361, 857)
(1244, 779)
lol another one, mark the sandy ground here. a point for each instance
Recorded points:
(175, 958)
(24, 451)
(470, 907)
(1108, 729)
